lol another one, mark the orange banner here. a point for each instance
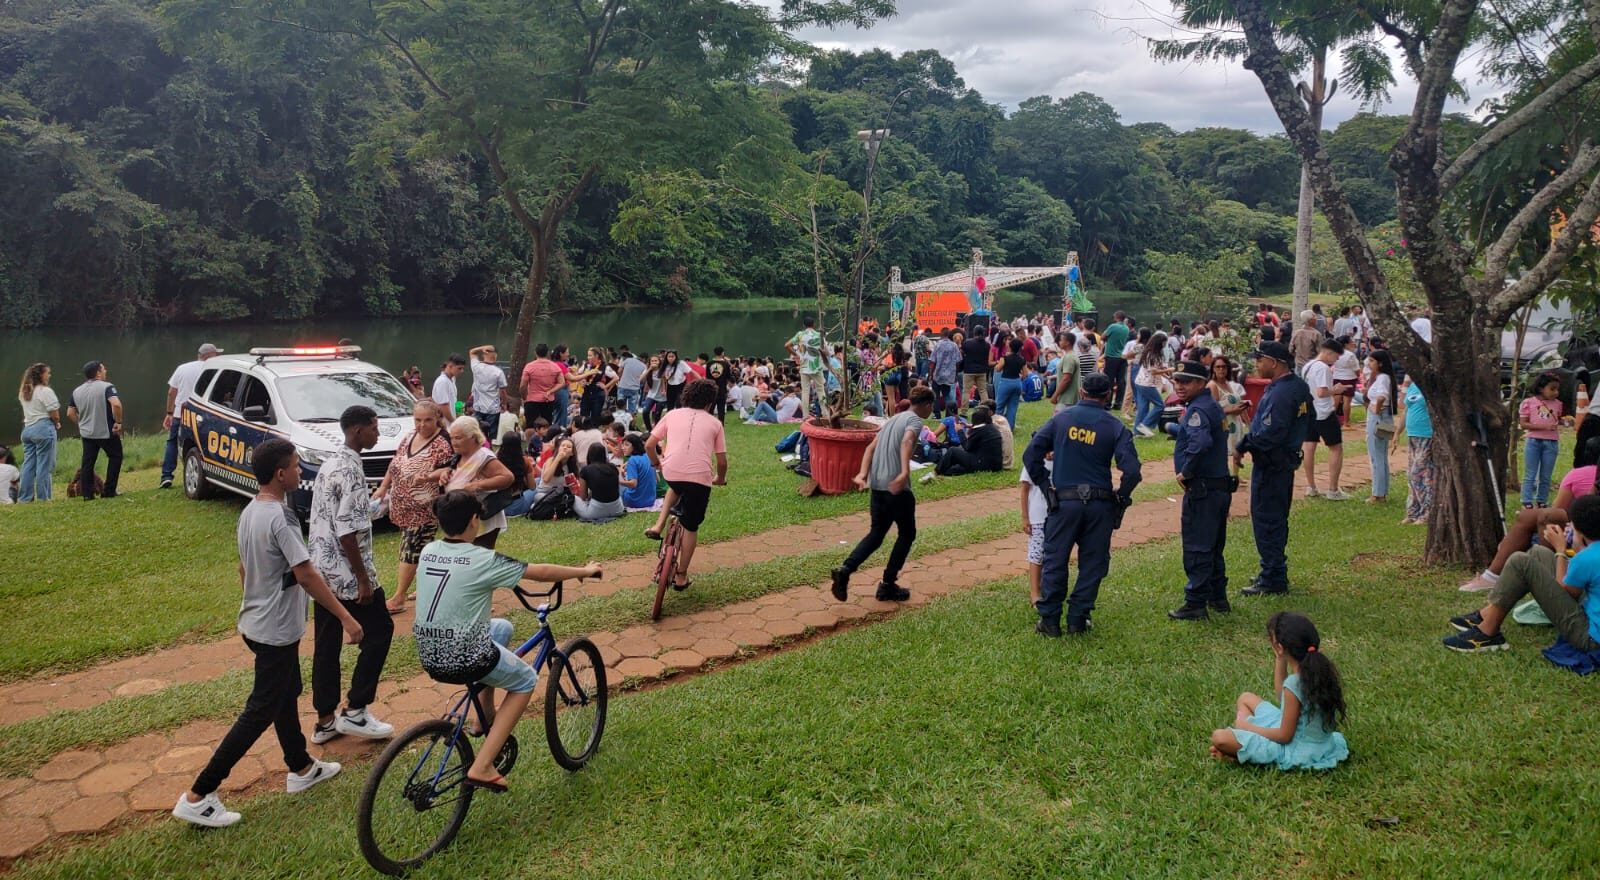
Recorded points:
(936, 311)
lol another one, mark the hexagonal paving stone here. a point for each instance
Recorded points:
(637, 647)
(771, 599)
(820, 619)
(183, 759)
(848, 611)
(716, 649)
(68, 765)
(744, 621)
(709, 616)
(676, 638)
(754, 637)
(22, 835)
(787, 628)
(775, 612)
(682, 659)
(640, 667)
(140, 687)
(712, 631)
(803, 601)
(200, 733)
(158, 793)
(113, 778)
(247, 771)
(146, 747)
(40, 799)
(88, 814)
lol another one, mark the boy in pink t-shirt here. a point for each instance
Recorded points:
(1540, 417)
(694, 437)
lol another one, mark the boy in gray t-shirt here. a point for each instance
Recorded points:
(886, 471)
(276, 573)
(97, 409)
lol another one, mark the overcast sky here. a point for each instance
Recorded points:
(1014, 49)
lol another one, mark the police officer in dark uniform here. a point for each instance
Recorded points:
(1280, 425)
(1201, 460)
(1083, 508)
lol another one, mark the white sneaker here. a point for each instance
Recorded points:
(320, 771)
(1143, 431)
(1311, 492)
(1479, 584)
(321, 734)
(360, 722)
(207, 812)
(1336, 495)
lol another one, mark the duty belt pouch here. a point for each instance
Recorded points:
(1233, 483)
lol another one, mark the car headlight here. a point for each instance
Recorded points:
(311, 456)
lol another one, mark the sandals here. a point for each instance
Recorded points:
(652, 534)
(496, 785)
(681, 587)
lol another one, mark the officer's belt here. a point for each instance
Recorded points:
(1209, 482)
(1085, 493)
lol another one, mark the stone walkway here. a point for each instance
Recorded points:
(93, 789)
(157, 670)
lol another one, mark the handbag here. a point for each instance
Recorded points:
(499, 500)
(1385, 427)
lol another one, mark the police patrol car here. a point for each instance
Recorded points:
(296, 394)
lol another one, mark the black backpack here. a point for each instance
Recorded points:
(556, 504)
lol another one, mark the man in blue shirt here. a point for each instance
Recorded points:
(1083, 509)
(1277, 430)
(1562, 574)
(1201, 460)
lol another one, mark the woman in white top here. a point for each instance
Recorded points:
(41, 421)
(479, 472)
(1344, 379)
(1130, 356)
(1229, 394)
(1148, 401)
(1380, 420)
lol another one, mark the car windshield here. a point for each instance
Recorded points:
(324, 397)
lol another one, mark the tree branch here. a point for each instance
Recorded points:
(1499, 254)
(1410, 42)
(1554, 260)
(1573, 80)
(1448, 40)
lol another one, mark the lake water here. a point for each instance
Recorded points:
(139, 361)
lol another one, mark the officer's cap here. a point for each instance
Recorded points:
(1097, 385)
(1275, 350)
(1193, 370)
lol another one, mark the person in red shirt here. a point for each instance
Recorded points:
(698, 365)
(540, 378)
(1030, 346)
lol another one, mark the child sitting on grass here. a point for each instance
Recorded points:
(457, 641)
(1565, 581)
(1300, 735)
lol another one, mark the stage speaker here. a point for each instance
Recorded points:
(978, 325)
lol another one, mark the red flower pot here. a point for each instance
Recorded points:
(836, 452)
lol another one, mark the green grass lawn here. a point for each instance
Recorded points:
(151, 568)
(952, 741)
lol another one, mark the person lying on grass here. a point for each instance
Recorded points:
(457, 641)
(1565, 581)
(1301, 734)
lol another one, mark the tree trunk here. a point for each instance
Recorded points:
(1467, 519)
(532, 294)
(1302, 246)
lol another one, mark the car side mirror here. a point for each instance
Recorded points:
(255, 414)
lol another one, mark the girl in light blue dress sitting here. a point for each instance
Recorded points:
(1300, 735)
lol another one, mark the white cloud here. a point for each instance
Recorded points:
(1010, 50)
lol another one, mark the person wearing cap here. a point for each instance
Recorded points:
(1083, 510)
(489, 393)
(1305, 340)
(1280, 425)
(1201, 460)
(179, 389)
(98, 411)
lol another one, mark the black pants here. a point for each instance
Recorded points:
(1271, 492)
(1086, 526)
(941, 400)
(720, 408)
(888, 509)
(273, 702)
(1205, 537)
(533, 410)
(378, 630)
(91, 455)
(675, 395)
(1117, 369)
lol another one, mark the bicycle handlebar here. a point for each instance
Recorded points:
(555, 592)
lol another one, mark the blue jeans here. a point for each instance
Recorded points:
(1007, 396)
(1539, 462)
(629, 398)
(521, 506)
(764, 413)
(1147, 406)
(38, 462)
(1378, 452)
(563, 408)
(169, 459)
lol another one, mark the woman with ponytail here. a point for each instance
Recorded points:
(41, 421)
(1301, 734)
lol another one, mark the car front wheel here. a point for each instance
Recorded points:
(194, 476)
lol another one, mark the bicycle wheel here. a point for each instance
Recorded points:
(575, 703)
(666, 567)
(414, 801)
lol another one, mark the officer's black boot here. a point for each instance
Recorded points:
(888, 592)
(1221, 606)
(1048, 628)
(1189, 611)
(841, 583)
(1257, 588)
